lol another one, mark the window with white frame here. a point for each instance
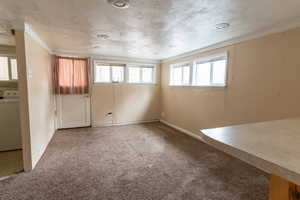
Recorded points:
(8, 69)
(141, 74)
(208, 71)
(124, 73)
(109, 73)
(181, 74)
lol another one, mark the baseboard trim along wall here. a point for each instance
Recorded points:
(189, 133)
(128, 123)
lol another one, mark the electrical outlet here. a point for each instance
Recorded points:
(162, 114)
(109, 114)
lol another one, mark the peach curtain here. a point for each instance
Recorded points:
(71, 76)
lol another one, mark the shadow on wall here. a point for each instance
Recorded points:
(136, 103)
(128, 103)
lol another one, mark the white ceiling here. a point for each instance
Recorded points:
(154, 29)
(6, 37)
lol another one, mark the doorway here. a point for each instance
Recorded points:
(71, 82)
(11, 158)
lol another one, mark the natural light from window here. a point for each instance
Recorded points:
(117, 74)
(201, 72)
(134, 75)
(121, 73)
(102, 74)
(4, 72)
(219, 72)
(147, 75)
(8, 69)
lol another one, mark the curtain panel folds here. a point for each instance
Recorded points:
(71, 76)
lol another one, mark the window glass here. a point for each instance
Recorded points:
(209, 72)
(102, 74)
(147, 75)
(113, 73)
(4, 72)
(134, 74)
(186, 75)
(202, 74)
(117, 73)
(176, 76)
(14, 69)
(219, 72)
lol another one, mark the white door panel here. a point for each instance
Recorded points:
(73, 111)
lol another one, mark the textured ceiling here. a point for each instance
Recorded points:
(154, 29)
(6, 37)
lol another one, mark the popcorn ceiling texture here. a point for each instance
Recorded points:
(153, 29)
(141, 162)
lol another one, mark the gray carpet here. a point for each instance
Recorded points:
(137, 162)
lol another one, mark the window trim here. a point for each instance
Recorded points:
(202, 60)
(110, 64)
(181, 65)
(11, 80)
(140, 66)
(126, 66)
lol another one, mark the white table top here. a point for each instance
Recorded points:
(272, 146)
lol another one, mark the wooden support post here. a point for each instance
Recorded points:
(281, 189)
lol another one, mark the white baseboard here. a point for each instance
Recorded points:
(129, 123)
(198, 137)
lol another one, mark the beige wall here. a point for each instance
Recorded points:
(128, 103)
(40, 97)
(264, 84)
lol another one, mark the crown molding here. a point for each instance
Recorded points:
(28, 30)
(105, 57)
(17, 26)
(255, 35)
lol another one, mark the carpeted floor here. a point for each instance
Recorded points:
(137, 162)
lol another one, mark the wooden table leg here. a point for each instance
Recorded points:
(281, 189)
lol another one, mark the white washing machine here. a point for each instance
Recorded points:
(10, 134)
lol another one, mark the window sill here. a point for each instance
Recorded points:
(8, 81)
(198, 86)
(149, 84)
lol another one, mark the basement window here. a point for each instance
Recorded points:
(181, 74)
(141, 74)
(109, 73)
(124, 73)
(205, 72)
(8, 69)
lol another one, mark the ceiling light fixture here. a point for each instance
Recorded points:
(102, 36)
(119, 3)
(222, 25)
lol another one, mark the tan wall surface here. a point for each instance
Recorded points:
(127, 102)
(263, 84)
(40, 97)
